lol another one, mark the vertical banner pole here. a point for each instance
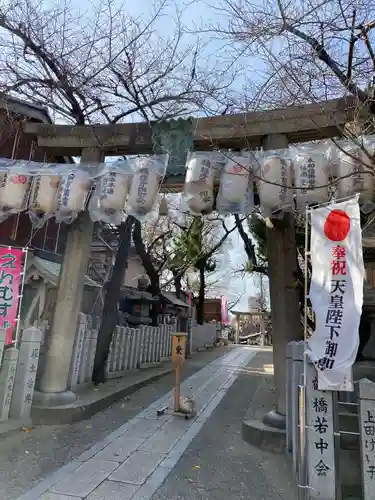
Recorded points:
(177, 389)
(302, 469)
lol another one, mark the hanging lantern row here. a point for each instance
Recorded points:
(56, 190)
(284, 179)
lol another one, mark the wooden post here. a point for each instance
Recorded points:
(177, 389)
(178, 357)
(54, 380)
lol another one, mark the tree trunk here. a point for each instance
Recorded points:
(200, 303)
(150, 270)
(112, 293)
(177, 283)
(248, 246)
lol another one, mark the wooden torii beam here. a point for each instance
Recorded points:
(246, 130)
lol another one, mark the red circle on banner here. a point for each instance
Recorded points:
(337, 225)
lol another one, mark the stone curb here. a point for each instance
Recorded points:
(75, 412)
(262, 436)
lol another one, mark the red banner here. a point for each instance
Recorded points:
(11, 261)
(224, 311)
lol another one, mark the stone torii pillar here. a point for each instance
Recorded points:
(53, 389)
(285, 314)
(237, 336)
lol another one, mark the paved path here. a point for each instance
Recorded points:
(170, 458)
(26, 458)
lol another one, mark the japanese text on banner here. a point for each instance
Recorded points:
(336, 292)
(321, 466)
(10, 282)
(335, 306)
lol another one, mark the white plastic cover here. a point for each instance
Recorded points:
(311, 167)
(108, 201)
(236, 185)
(14, 192)
(74, 190)
(355, 169)
(148, 174)
(44, 197)
(274, 182)
(201, 170)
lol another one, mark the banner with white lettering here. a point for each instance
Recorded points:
(336, 292)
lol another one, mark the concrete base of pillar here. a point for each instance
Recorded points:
(265, 437)
(46, 399)
(275, 419)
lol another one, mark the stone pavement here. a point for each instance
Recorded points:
(28, 456)
(170, 458)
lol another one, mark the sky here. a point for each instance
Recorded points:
(196, 14)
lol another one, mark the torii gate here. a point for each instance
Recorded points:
(268, 129)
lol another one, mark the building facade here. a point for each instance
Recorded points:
(212, 310)
(17, 229)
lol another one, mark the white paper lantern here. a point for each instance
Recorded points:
(199, 182)
(234, 183)
(358, 164)
(277, 170)
(44, 194)
(311, 169)
(199, 172)
(14, 195)
(3, 181)
(163, 207)
(144, 191)
(74, 190)
(200, 201)
(114, 189)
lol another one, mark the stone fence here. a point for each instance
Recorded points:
(131, 348)
(330, 434)
(22, 365)
(18, 369)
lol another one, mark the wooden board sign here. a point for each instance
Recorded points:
(178, 347)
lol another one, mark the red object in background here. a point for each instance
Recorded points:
(11, 263)
(337, 225)
(18, 179)
(224, 310)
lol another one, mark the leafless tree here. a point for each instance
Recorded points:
(301, 51)
(104, 66)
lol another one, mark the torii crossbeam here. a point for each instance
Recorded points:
(245, 130)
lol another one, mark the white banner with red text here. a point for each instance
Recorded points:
(336, 292)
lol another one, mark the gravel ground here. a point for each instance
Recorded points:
(28, 457)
